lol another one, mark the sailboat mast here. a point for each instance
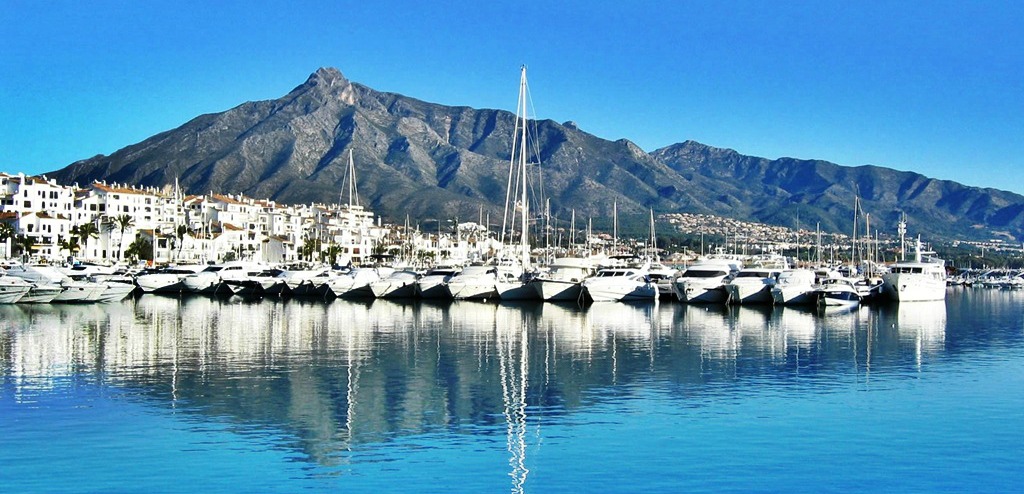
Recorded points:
(353, 191)
(615, 227)
(572, 228)
(524, 239)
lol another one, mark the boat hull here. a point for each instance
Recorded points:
(909, 287)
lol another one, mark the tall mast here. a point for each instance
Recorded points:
(353, 191)
(524, 243)
(572, 228)
(615, 227)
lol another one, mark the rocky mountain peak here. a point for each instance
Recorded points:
(328, 83)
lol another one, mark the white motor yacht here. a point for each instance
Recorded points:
(71, 290)
(703, 282)
(620, 284)
(923, 279)
(356, 282)
(564, 279)
(210, 280)
(400, 284)
(266, 282)
(838, 291)
(752, 286)
(307, 282)
(795, 287)
(167, 280)
(474, 282)
(662, 276)
(41, 294)
(12, 289)
(434, 283)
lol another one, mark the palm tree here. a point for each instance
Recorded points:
(86, 231)
(7, 232)
(123, 222)
(139, 249)
(331, 253)
(23, 244)
(180, 232)
(70, 244)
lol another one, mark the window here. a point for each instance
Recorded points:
(28, 204)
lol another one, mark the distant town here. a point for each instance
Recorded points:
(110, 222)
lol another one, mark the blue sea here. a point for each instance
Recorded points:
(197, 394)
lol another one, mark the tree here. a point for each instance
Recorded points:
(23, 244)
(123, 222)
(331, 253)
(180, 232)
(7, 232)
(139, 249)
(85, 232)
(69, 244)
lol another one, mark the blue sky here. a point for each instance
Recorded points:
(933, 87)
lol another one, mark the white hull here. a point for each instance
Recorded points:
(749, 293)
(432, 289)
(40, 294)
(618, 293)
(794, 295)
(79, 291)
(114, 291)
(913, 287)
(568, 291)
(11, 293)
(160, 283)
(698, 293)
(472, 290)
(516, 290)
(393, 288)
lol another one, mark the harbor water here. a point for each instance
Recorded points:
(169, 394)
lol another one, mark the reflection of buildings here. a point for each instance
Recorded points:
(334, 375)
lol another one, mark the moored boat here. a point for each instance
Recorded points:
(620, 285)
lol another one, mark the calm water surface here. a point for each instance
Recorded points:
(164, 394)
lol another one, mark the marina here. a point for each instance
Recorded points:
(163, 393)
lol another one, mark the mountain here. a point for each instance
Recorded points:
(434, 161)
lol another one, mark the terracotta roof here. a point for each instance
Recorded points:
(226, 199)
(121, 190)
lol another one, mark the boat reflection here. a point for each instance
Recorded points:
(334, 375)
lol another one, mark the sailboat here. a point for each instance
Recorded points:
(512, 282)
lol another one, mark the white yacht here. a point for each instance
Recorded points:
(922, 279)
(266, 282)
(621, 284)
(40, 294)
(400, 284)
(703, 282)
(115, 291)
(71, 290)
(564, 279)
(512, 282)
(839, 291)
(752, 286)
(210, 279)
(662, 276)
(434, 283)
(795, 287)
(167, 280)
(475, 282)
(356, 282)
(12, 289)
(308, 281)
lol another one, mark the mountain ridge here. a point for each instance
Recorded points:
(435, 161)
